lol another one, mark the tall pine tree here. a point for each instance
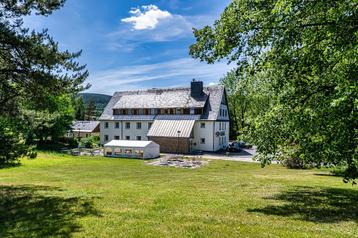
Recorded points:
(32, 70)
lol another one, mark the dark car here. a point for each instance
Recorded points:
(234, 147)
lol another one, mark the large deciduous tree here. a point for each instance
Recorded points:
(32, 70)
(307, 50)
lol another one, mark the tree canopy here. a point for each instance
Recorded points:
(307, 52)
(35, 75)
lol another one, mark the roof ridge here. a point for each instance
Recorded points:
(153, 90)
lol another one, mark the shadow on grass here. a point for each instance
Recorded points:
(26, 212)
(320, 205)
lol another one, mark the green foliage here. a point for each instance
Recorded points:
(49, 121)
(100, 101)
(247, 98)
(307, 53)
(37, 79)
(90, 142)
(90, 111)
(80, 109)
(12, 142)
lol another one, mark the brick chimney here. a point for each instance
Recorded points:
(196, 89)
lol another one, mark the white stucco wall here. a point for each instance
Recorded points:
(122, 132)
(212, 142)
(206, 133)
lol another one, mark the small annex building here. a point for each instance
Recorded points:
(132, 149)
(83, 129)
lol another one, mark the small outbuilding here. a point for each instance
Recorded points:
(132, 149)
(81, 129)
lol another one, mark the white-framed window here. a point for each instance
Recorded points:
(202, 141)
(116, 137)
(202, 125)
(106, 124)
(150, 125)
(128, 125)
(105, 137)
(139, 138)
(128, 137)
(139, 125)
(116, 125)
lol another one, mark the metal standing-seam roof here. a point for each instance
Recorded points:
(170, 128)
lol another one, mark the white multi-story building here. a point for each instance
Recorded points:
(178, 119)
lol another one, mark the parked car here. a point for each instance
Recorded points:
(234, 147)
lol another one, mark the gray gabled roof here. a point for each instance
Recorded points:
(84, 126)
(160, 98)
(166, 98)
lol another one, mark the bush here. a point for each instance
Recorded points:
(72, 142)
(90, 142)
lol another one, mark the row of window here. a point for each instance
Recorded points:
(127, 125)
(159, 111)
(223, 112)
(106, 137)
(222, 126)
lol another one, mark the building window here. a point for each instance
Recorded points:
(105, 137)
(186, 111)
(128, 138)
(178, 111)
(116, 137)
(198, 111)
(192, 111)
(139, 138)
(117, 125)
(139, 125)
(106, 125)
(128, 125)
(202, 125)
(149, 125)
(202, 140)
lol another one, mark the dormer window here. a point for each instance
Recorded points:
(186, 111)
(198, 111)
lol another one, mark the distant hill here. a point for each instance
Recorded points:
(100, 100)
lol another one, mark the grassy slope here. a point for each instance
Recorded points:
(85, 197)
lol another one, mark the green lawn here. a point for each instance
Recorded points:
(59, 195)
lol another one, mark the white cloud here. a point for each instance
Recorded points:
(151, 24)
(177, 72)
(146, 17)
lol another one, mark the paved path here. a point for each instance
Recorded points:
(245, 156)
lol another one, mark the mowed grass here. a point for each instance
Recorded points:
(62, 196)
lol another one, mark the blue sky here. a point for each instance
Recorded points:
(135, 44)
